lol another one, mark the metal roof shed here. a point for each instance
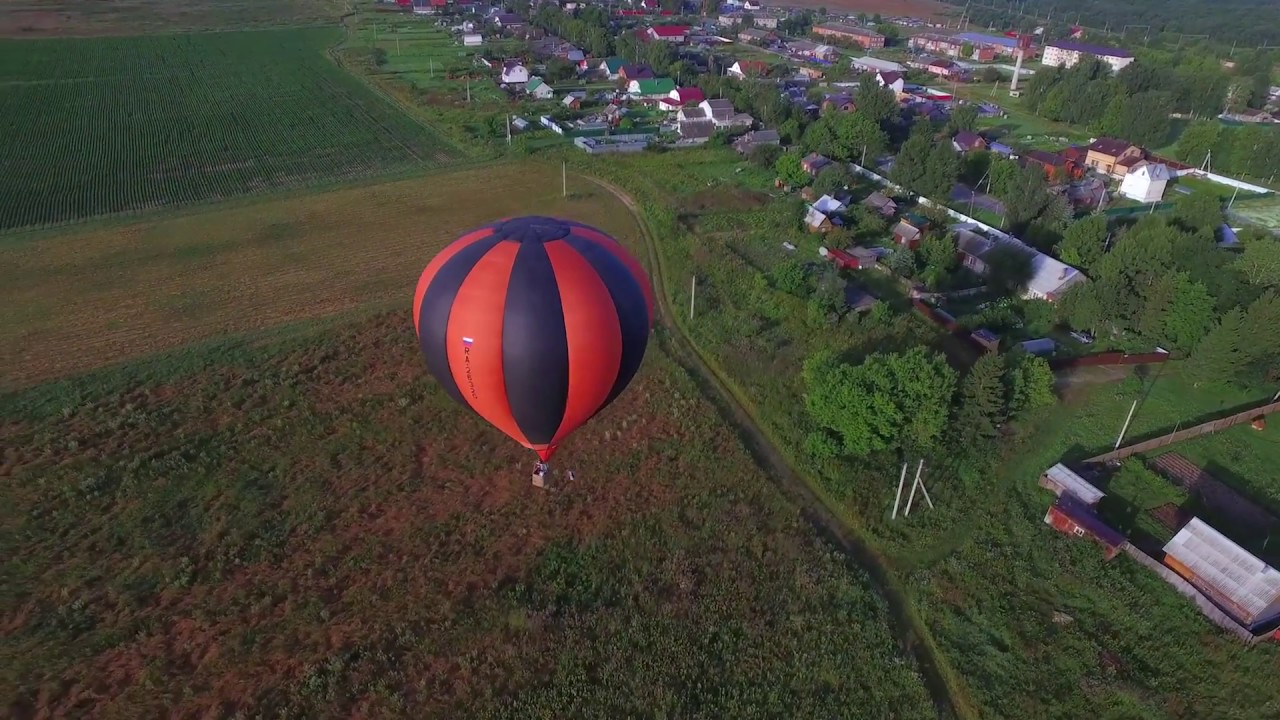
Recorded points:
(1244, 586)
(1062, 480)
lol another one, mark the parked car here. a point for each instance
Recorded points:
(1083, 338)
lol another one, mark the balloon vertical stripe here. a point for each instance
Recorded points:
(534, 323)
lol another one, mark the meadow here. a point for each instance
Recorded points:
(301, 524)
(102, 126)
(62, 18)
(120, 290)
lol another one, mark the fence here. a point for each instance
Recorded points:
(1138, 209)
(1110, 358)
(1202, 429)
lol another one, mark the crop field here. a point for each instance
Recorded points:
(100, 126)
(92, 296)
(1044, 627)
(50, 18)
(304, 525)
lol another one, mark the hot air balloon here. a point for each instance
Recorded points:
(535, 323)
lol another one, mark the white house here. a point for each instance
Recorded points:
(744, 69)
(870, 64)
(1049, 277)
(722, 113)
(472, 40)
(891, 80)
(514, 72)
(539, 89)
(1146, 182)
(1066, 53)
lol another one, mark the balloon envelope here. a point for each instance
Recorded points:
(535, 323)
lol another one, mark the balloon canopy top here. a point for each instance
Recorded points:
(532, 229)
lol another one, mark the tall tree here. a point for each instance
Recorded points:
(1024, 194)
(1259, 263)
(1199, 212)
(894, 401)
(1008, 268)
(980, 404)
(1083, 242)
(1221, 356)
(911, 164)
(1262, 328)
(942, 168)
(876, 102)
(963, 117)
(1198, 140)
(790, 170)
(1191, 313)
(1029, 382)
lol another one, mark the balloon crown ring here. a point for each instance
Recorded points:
(533, 229)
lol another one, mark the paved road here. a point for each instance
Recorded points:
(962, 193)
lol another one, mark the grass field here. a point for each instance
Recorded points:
(1043, 627)
(49, 18)
(100, 295)
(304, 525)
(1260, 211)
(109, 125)
(429, 59)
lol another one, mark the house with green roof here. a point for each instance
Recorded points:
(655, 89)
(539, 89)
(611, 66)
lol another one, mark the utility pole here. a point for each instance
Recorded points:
(508, 115)
(693, 294)
(397, 41)
(912, 495)
(1125, 427)
(508, 119)
(1233, 198)
(564, 178)
(902, 479)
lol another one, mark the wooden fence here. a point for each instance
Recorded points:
(1109, 358)
(1196, 431)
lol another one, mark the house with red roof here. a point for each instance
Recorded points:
(680, 97)
(669, 33)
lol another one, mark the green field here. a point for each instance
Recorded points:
(109, 125)
(431, 60)
(1260, 211)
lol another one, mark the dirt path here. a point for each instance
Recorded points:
(944, 685)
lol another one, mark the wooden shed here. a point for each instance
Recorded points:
(1069, 516)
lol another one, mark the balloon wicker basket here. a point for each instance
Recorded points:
(540, 479)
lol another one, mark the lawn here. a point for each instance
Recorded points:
(104, 126)
(63, 18)
(302, 524)
(430, 59)
(1260, 211)
(1020, 126)
(103, 294)
(1043, 627)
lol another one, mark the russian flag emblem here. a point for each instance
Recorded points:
(466, 341)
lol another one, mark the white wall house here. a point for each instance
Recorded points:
(514, 72)
(1146, 182)
(472, 40)
(1066, 53)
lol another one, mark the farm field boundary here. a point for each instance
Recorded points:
(104, 126)
(96, 296)
(945, 685)
(72, 18)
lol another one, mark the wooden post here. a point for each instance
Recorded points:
(902, 480)
(1125, 427)
(912, 495)
(693, 294)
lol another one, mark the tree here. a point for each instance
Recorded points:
(790, 170)
(846, 136)
(1083, 242)
(832, 178)
(1029, 382)
(1191, 313)
(939, 252)
(942, 169)
(902, 261)
(911, 164)
(876, 102)
(1199, 212)
(1025, 193)
(963, 117)
(789, 277)
(1197, 140)
(1221, 355)
(765, 155)
(1260, 261)
(892, 401)
(1262, 328)
(981, 405)
(1008, 268)
(989, 74)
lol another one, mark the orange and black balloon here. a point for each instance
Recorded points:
(534, 323)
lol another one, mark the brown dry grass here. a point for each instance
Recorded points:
(93, 297)
(85, 18)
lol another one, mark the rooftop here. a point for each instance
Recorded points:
(1090, 49)
(1233, 571)
(848, 29)
(1066, 478)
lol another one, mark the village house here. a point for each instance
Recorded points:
(722, 113)
(966, 141)
(840, 102)
(631, 72)
(743, 69)
(758, 37)
(669, 33)
(845, 33)
(811, 50)
(1050, 278)
(892, 80)
(472, 40)
(909, 231)
(813, 163)
(880, 203)
(1066, 53)
(945, 69)
(508, 21)
(696, 131)
(514, 73)
(875, 65)
(1243, 586)
(573, 100)
(1062, 480)
(1070, 516)
(654, 89)
(539, 89)
(1057, 169)
(1146, 182)
(754, 139)
(986, 47)
(1113, 157)
(680, 97)
(816, 221)
(610, 67)
(936, 43)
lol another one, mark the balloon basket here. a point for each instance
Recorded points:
(539, 480)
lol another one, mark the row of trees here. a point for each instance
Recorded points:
(1252, 150)
(914, 403)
